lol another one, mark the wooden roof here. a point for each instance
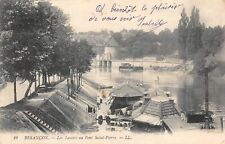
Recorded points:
(128, 89)
(161, 108)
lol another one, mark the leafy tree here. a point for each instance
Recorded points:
(183, 34)
(202, 45)
(17, 22)
(62, 37)
(167, 42)
(212, 39)
(195, 30)
(29, 37)
(84, 59)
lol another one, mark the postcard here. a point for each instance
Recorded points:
(110, 71)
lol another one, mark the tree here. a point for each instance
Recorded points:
(213, 39)
(183, 34)
(84, 59)
(30, 35)
(195, 30)
(17, 22)
(62, 37)
(167, 41)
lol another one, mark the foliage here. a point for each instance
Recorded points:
(195, 30)
(36, 37)
(138, 44)
(183, 34)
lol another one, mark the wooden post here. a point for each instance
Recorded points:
(68, 89)
(49, 80)
(43, 78)
(35, 82)
(28, 89)
(77, 77)
(39, 78)
(221, 123)
(15, 96)
(80, 79)
(206, 99)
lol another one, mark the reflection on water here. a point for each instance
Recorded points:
(192, 99)
(167, 80)
(114, 76)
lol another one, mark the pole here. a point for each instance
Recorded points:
(39, 78)
(68, 89)
(206, 100)
(221, 123)
(35, 82)
(15, 96)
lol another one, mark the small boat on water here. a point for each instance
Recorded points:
(129, 67)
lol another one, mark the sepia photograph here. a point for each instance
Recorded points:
(110, 71)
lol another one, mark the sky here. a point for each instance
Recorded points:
(212, 13)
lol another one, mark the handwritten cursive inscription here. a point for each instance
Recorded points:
(124, 9)
(153, 24)
(140, 15)
(165, 6)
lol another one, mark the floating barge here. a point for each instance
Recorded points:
(129, 67)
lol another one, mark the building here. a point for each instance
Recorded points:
(160, 114)
(125, 95)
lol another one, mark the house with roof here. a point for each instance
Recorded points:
(160, 113)
(130, 103)
(125, 95)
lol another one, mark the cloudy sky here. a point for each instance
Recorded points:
(212, 13)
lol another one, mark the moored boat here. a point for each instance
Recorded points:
(129, 67)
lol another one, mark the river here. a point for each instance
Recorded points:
(172, 81)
